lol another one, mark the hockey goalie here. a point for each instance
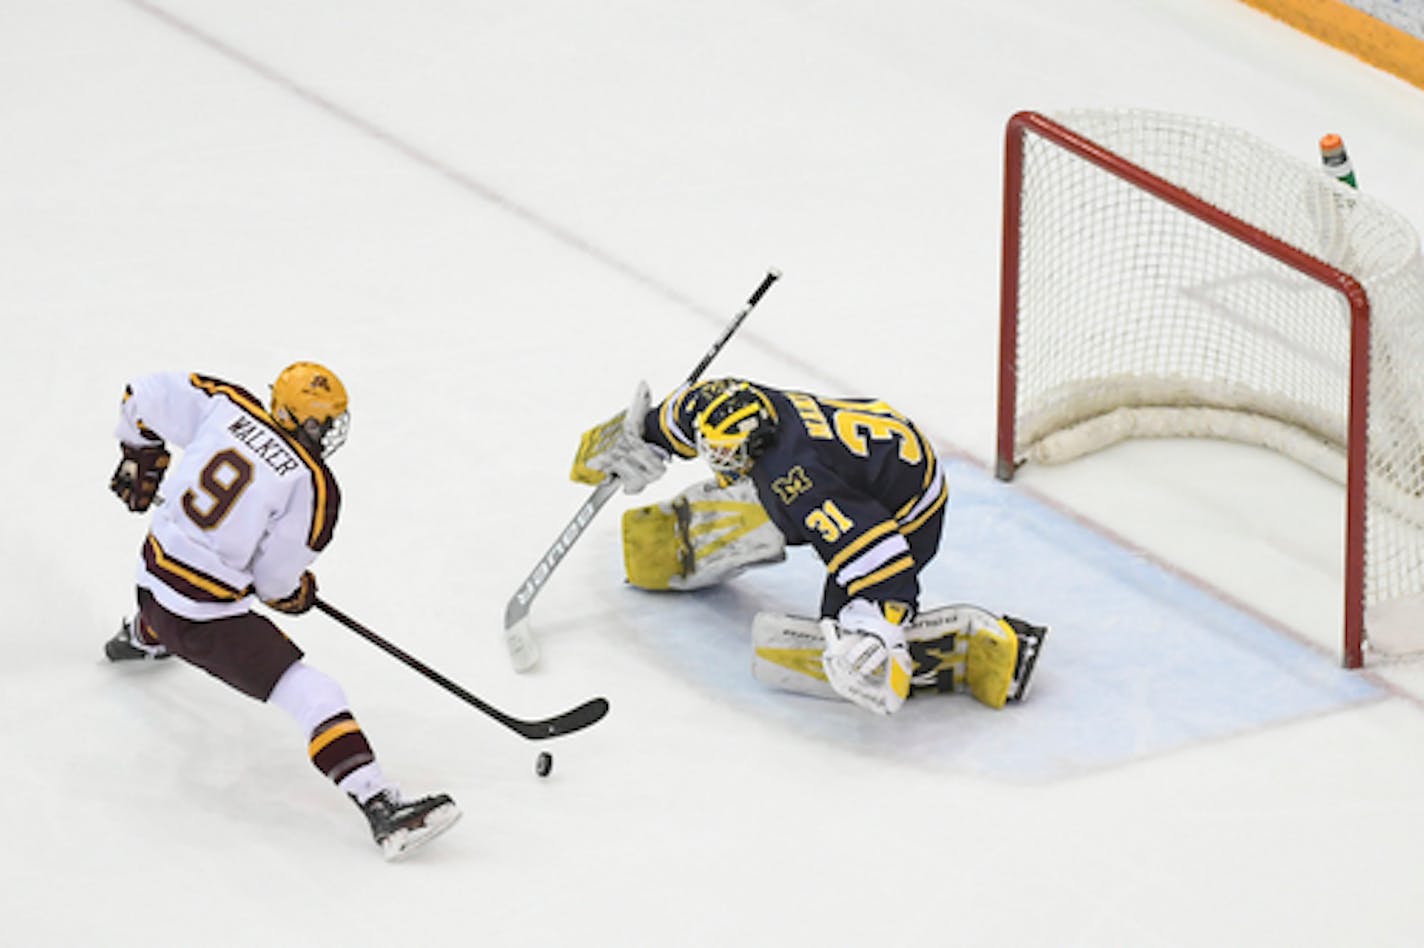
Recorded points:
(854, 479)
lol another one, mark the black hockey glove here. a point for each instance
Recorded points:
(298, 600)
(138, 475)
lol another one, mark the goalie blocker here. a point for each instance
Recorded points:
(960, 648)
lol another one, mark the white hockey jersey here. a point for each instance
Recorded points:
(246, 507)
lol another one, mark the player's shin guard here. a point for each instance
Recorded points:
(335, 742)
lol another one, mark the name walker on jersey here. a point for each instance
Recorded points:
(266, 445)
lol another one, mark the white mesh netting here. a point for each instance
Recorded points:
(1136, 318)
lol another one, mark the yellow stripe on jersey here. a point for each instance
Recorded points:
(931, 465)
(932, 477)
(860, 543)
(892, 568)
(930, 511)
(213, 587)
(247, 403)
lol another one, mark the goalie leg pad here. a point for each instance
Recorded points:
(787, 650)
(787, 654)
(705, 535)
(652, 554)
(990, 661)
(938, 645)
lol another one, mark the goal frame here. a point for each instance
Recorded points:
(1025, 123)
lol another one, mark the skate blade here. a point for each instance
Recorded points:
(402, 843)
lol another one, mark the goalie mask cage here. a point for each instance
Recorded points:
(1167, 276)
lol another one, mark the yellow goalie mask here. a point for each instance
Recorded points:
(735, 425)
(309, 402)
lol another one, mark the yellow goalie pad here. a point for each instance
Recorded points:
(954, 648)
(703, 536)
(652, 552)
(989, 662)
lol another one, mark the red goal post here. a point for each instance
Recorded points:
(1168, 276)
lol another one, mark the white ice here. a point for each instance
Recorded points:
(493, 219)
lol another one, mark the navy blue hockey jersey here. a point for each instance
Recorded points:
(850, 476)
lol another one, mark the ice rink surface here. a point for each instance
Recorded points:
(492, 219)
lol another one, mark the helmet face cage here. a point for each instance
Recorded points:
(321, 437)
(734, 428)
(728, 457)
(325, 436)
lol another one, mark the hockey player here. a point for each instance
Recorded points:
(251, 504)
(854, 479)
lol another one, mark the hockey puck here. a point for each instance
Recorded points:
(544, 764)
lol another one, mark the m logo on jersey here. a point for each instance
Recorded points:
(792, 485)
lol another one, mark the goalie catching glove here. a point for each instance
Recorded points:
(135, 481)
(616, 449)
(867, 660)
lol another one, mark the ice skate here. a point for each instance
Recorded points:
(128, 645)
(400, 827)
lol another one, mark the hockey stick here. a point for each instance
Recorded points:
(518, 637)
(575, 719)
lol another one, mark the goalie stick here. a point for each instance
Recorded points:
(575, 719)
(518, 637)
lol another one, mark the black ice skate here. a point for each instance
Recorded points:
(400, 827)
(1030, 644)
(127, 645)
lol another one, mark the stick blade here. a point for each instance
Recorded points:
(519, 640)
(586, 714)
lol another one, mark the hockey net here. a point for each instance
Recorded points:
(1167, 276)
